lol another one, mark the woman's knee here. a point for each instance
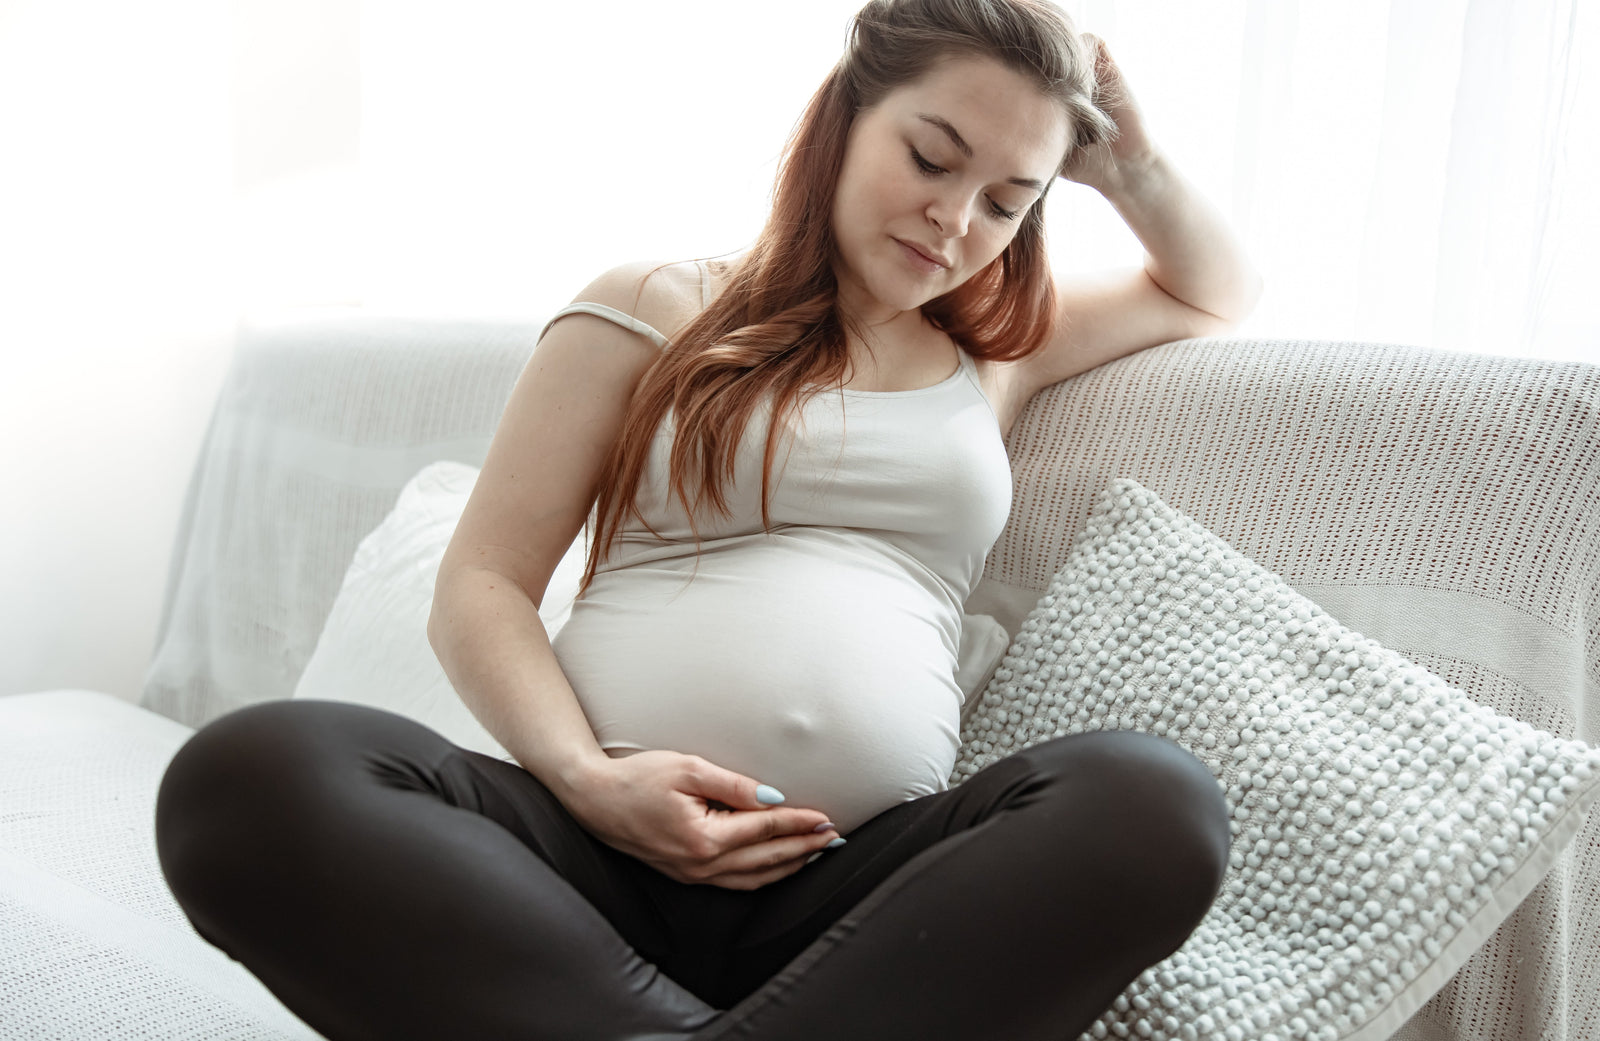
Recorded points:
(239, 783)
(1165, 825)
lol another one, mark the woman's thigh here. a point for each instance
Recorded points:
(1057, 800)
(384, 883)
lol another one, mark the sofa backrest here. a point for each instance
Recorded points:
(319, 424)
(1446, 505)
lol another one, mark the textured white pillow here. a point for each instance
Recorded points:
(1384, 824)
(374, 646)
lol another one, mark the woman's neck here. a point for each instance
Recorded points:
(904, 354)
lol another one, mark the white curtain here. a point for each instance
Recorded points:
(1410, 171)
(1415, 171)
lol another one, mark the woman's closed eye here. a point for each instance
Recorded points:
(930, 170)
(925, 166)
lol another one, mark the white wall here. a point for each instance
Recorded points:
(134, 138)
(174, 165)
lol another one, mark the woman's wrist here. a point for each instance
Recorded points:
(577, 773)
(1133, 181)
(1191, 251)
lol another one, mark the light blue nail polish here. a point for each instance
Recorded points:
(768, 795)
(824, 826)
(835, 844)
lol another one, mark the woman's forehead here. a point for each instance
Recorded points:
(994, 110)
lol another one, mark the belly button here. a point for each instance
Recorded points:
(798, 726)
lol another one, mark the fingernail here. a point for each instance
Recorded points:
(824, 826)
(835, 844)
(768, 795)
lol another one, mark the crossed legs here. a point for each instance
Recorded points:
(384, 883)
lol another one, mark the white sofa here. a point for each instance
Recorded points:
(1446, 505)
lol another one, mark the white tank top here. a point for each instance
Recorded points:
(819, 658)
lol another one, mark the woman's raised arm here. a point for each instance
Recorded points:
(1196, 279)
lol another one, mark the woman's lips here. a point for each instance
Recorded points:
(917, 259)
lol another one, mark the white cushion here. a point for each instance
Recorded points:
(1383, 823)
(374, 647)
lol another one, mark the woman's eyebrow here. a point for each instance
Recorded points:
(966, 149)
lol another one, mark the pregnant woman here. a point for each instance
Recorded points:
(728, 815)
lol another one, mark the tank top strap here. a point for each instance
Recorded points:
(969, 365)
(610, 314)
(705, 283)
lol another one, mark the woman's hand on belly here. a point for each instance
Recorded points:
(658, 807)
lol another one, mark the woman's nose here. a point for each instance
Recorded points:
(948, 214)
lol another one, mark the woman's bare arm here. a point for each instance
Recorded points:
(528, 505)
(536, 486)
(1196, 279)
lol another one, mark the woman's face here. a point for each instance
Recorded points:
(936, 180)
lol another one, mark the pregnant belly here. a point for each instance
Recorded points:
(828, 675)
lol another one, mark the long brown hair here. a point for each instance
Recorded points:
(774, 329)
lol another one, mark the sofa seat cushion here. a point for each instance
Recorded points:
(81, 893)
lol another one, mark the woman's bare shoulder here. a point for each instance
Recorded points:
(664, 295)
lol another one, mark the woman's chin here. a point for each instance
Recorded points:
(893, 290)
(901, 294)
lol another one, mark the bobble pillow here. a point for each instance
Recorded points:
(374, 646)
(1384, 824)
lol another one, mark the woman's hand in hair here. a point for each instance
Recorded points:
(694, 821)
(1105, 167)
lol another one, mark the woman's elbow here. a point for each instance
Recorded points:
(1229, 318)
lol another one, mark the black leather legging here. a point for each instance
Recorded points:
(386, 884)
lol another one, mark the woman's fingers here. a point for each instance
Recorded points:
(760, 844)
(1129, 151)
(696, 822)
(1111, 88)
(714, 783)
(753, 829)
(751, 867)
(754, 811)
